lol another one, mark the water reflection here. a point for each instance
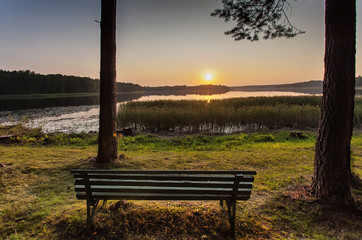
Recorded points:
(231, 94)
(39, 103)
(21, 104)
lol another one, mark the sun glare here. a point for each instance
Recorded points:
(208, 77)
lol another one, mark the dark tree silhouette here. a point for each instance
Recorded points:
(332, 168)
(332, 154)
(107, 141)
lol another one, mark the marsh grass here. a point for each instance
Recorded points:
(37, 200)
(226, 115)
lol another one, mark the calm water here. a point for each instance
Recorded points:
(231, 94)
(84, 118)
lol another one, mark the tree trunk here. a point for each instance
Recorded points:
(107, 141)
(332, 155)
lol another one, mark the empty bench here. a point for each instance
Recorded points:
(228, 186)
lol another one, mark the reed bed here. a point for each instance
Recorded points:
(226, 115)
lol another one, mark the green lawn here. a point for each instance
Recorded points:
(37, 200)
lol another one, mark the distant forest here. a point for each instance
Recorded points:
(359, 81)
(310, 87)
(28, 82)
(315, 83)
(307, 84)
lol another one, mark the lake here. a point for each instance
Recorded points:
(80, 114)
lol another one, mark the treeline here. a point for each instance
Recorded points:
(28, 82)
(307, 84)
(316, 84)
(359, 81)
(309, 87)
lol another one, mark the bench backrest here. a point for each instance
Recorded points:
(163, 185)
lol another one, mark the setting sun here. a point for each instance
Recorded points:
(208, 77)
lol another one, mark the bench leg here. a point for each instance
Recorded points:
(91, 212)
(89, 221)
(231, 211)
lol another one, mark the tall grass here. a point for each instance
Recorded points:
(226, 115)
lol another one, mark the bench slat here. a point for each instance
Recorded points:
(123, 182)
(151, 196)
(199, 172)
(153, 189)
(208, 178)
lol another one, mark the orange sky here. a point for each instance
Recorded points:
(160, 42)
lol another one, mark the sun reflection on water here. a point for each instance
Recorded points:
(208, 98)
(231, 94)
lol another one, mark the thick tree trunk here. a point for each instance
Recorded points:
(332, 156)
(107, 141)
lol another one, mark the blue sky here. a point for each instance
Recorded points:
(159, 42)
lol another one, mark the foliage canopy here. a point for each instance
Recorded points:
(257, 17)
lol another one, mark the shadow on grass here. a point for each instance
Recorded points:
(294, 214)
(158, 220)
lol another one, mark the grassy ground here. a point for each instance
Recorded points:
(37, 200)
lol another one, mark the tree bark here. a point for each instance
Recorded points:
(107, 141)
(332, 155)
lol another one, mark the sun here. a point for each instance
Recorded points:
(208, 77)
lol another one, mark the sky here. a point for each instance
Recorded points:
(161, 42)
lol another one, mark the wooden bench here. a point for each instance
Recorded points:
(228, 186)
